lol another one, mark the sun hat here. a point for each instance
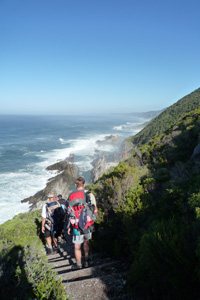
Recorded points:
(51, 195)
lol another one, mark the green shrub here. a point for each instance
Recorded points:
(24, 270)
(42, 278)
(165, 267)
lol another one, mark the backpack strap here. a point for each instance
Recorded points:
(51, 206)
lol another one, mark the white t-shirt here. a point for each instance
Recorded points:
(44, 211)
(92, 199)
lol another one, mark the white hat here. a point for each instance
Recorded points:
(51, 195)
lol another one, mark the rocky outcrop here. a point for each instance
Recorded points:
(59, 184)
(61, 165)
(110, 139)
(100, 166)
(107, 160)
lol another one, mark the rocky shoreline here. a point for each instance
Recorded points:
(67, 171)
(60, 184)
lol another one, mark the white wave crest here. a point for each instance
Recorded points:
(18, 186)
(84, 150)
(61, 140)
(130, 127)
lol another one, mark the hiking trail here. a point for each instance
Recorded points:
(104, 279)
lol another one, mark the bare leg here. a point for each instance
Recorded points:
(55, 242)
(48, 239)
(77, 253)
(86, 247)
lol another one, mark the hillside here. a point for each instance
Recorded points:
(167, 117)
(149, 206)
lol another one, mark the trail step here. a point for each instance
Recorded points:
(104, 279)
(69, 275)
(101, 288)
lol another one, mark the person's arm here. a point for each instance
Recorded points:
(44, 214)
(43, 223)
(95, 210)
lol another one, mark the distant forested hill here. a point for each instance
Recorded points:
(147, 115)
(167, 117)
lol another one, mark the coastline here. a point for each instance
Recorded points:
(94, 148)
(67, 172)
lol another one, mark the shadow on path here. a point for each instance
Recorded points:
(104, 279)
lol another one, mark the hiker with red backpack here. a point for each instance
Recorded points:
(81, 212)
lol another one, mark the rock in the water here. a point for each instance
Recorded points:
(61, 165)
(59, 185)
(110, 139)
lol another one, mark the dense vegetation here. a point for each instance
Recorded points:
(150, 207)
(168, 117)
(24, 272)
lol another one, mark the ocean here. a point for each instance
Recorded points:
(29, 144)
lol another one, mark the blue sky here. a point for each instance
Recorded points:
(97, 56)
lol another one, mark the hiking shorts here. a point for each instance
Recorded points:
(47, 233)
(79, 239)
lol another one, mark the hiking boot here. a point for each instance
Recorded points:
(76, 267)
(86, 263)
(55, 250)
(49, 251)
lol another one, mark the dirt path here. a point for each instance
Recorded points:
(103, 280)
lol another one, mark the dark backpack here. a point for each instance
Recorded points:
(83, 219)
(55, 212)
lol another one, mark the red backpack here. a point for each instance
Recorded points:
(78, 212)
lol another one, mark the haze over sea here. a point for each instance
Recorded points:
(28, 144)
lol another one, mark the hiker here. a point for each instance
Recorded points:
(60, 226)
(53, 214)
(78, 200)
(59, 218)
(60, 197)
